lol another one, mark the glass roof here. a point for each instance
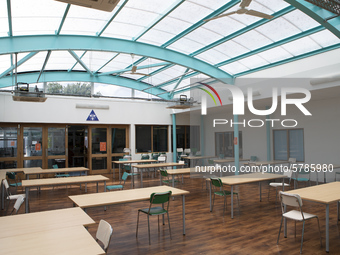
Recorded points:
(187, 45)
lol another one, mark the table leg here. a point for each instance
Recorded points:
(120, 169)
(104, 186)
(160, 179)
(183, 207)
(232, 202)
(141, 179)
(285, 222)
(26, 199)
(97, 187)
(327, 227)
(85, 187)
(173, 180)
(210, 196)
(2, 196)
(338, 205)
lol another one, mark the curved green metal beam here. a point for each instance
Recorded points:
(64, 76)
(94, 43)
(324, 17)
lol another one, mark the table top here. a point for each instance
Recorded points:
(228, 160)
(197, 157)
(323, 193)
(38, 170)
(71, 240)
(43, 221)
(135, 161)
(159, 165)
(274, 162)
(249, 178)
(64, 180)
(180, 171)
(23, 169)
(122, 196)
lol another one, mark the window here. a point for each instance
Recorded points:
(8, 142)
(289, 144)
(224, 144)
(151, 138)
(187, 137)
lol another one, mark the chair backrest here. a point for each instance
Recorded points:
(55, 166)
(216, 182)
(291, 199)
(163, 172)
(128, 157)
(161, 159)
(181, 162)
(145, 156)
(5, 183)
(187, 151)
(11, 175)
(125, 176)
(17, 204)
(180, 150)
(253, 158)
(154, 156)
(123, 159)
(160, 198)
(104, 233)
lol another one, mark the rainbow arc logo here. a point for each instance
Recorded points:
(209, 93)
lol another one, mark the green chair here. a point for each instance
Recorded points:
(155, 156)
(120, 185)
(13, 181)
(253, 158)
(127, 168)
(164, 173)
(217, 188)
(59, 175)
(302, 175)
(145, 156)
(156, 198)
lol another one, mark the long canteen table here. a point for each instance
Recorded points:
(38, 170)
(27, 184)
(137, 161)
(246, 179)
(57, 232)
(158, 165)
(174, 172)
(323, 194)
(126, 196)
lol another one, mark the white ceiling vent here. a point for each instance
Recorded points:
(104, 5)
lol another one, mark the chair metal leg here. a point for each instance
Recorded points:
(169, 225)
(278, 238)
(149, 229)
(137, 224)
(158, 223)
(303, 231)
(319, 231)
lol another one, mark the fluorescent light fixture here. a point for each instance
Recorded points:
(92, 106)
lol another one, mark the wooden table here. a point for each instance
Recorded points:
(126, 196)
(27, 184)
(174, 172)
(43, 221)
(72, 240)
(38, 170)
(324, 194)
(195, 158)
(228, 160)
(246, 179)
(54, 232)
(137, 161)
(158, 165)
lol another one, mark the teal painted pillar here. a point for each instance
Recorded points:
(268, 131)
(236, 146)
(174, 144)
(202, 136)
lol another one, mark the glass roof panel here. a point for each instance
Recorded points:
(275, 54)
(190, 12)
(212, 56)
(301, 20)
(33, 64)
(252, 40)
(121, 30)
(150, 5)
(3, 19)
(234, 68)
(5, 62)
(232, 48)
(253, 61)
(325, 38)
(36, 17)
(224, 26)
(156, 37)
(211, 4)
(85, 21)
(60, 60)
(273, 5)
(278, 29)
(111, 90)
(172, 25)
(135, 16)
(185, 46)
(203, 36)
(301, 46)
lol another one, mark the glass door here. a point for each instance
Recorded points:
(8, 146)
(99, 149)
(77, 146)
(33, 146)
(55, 146)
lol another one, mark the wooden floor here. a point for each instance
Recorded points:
(253, 230)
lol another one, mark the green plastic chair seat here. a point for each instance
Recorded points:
(224, 193)
(113, 187)
(169, 181)
(15, 184)
(301, 179)
(154, 211)
(62, 175)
